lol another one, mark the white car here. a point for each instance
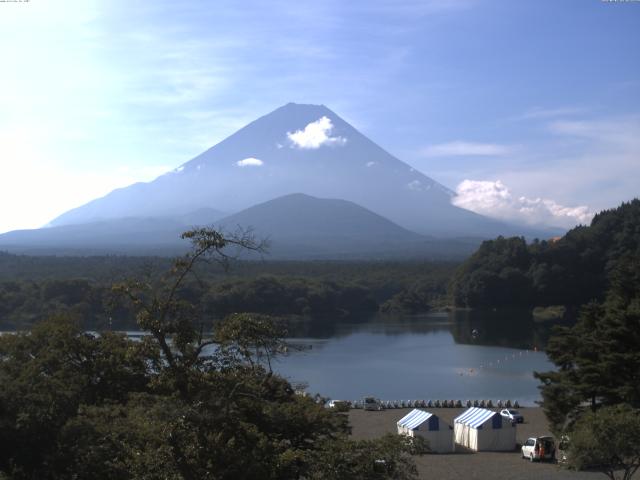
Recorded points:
(513, 415)
(540, 448)
(339, 405)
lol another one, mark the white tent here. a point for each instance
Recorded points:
(439, 434)
(481, 429)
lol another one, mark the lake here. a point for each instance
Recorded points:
(456, 355)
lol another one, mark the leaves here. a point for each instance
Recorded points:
(607, 440)
(178, 404)
(598, 359)
(572, 270)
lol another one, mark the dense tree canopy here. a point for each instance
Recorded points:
(291, 289)
(598, 359)
(273, 295)
(608, 441)
(572, 270)
(178, 404)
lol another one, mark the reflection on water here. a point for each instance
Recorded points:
(506, 328)
(334, 327)
(434, 356)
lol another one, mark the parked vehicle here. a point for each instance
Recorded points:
(339, 405)
(514, 415)
(371, 403)
(538, 449)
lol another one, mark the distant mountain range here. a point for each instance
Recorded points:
(295, 226)
(300, 175)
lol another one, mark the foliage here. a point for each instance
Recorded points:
(493, 276)
(179, 404)
(388, 457)
(607, 440)
(419, 297)
(47, 374)
(550, 313)
(289, 288)
(598, 359)
(593, 396)
(23, 304)
(572, 270)
(277, 296)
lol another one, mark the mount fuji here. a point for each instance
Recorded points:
(296, 149)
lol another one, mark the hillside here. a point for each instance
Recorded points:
(570, 271)
(129, 235)
(301, 223)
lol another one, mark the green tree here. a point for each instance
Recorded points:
(598, 359)
(179, 404)
(171, 320)
(493, 276)
(608, 441)
(571, 271)
(387, 457)
(46, 375)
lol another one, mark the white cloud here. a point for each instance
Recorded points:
(315, 135)
(494, 199)
(593, 162)
(546, 113)
(617, 133)
(250, 162)
(460, 148)
(370, 164)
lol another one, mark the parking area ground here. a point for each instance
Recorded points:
(466, 465)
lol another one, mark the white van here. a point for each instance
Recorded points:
(539, 448)
(339, 405)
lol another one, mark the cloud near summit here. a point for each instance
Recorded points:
(315, 135)
(250, 162)
(494, 199)
(462, 149)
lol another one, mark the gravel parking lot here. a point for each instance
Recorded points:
(470, 465)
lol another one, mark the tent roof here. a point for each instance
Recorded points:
(414, 419)
(474, 417)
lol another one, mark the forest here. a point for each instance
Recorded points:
(571, 270)
(78, 405)
(503, 273)
(33, 288)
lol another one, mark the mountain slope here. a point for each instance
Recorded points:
(296, 148)
(320, 224)
(297, 226)
(301, 226)
(133, 235)
(573, 270)
(127, 235)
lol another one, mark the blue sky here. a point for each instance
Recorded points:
(526, 108)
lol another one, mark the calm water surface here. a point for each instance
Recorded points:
(435, 356)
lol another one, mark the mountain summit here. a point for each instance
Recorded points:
(296, 148)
